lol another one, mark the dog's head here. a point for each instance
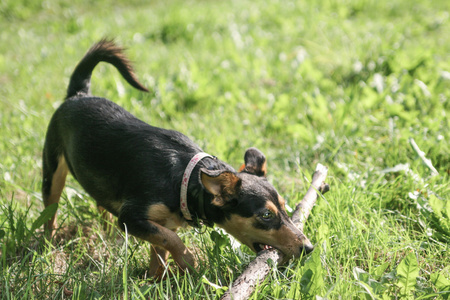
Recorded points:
(254, 211)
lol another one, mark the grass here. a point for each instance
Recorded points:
(343, 83)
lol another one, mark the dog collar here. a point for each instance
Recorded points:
(184, 183)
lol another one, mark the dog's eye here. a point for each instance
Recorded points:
(267, 215)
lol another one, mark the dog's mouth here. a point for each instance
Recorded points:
(260, 247)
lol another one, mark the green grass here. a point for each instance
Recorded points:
(343, 83)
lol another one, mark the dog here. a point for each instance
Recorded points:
(156, 180)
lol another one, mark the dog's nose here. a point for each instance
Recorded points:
(307, 248)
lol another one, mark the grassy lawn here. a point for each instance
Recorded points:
(338, 82)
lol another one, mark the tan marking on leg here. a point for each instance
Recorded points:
(58, 182)
(169, 240)
(161, 214)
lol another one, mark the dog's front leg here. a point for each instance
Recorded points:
(158, 262)
(170, 241)
(158, 236)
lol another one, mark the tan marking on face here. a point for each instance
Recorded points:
(241, 228)
(282, 202)
(160, 213)
(271, 206)
(289, 241)
(286, 239)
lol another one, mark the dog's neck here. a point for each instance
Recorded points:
(199, 200)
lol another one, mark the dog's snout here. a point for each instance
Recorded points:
(303, 245)
(307, 248)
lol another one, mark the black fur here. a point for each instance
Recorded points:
(123, 162)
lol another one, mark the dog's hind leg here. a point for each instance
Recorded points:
(54, 177)
(107, 220)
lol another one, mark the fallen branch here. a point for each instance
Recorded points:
(258, 269)
(255, 273)
(303, 209)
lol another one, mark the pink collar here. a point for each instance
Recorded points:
(184, 183)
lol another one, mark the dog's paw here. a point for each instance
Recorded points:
(186, 262)
(162, 273)
(158, 274)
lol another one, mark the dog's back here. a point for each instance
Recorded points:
(104, 146)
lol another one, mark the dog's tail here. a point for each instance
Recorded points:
(107, 51)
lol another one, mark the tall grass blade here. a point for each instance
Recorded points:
(45, 215)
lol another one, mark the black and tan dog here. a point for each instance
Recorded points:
(139, 172)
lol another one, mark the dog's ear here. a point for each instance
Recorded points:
(255, 163)
(224, 185)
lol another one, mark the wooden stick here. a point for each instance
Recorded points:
(255, 273)
(303, 209)
(259, 268)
